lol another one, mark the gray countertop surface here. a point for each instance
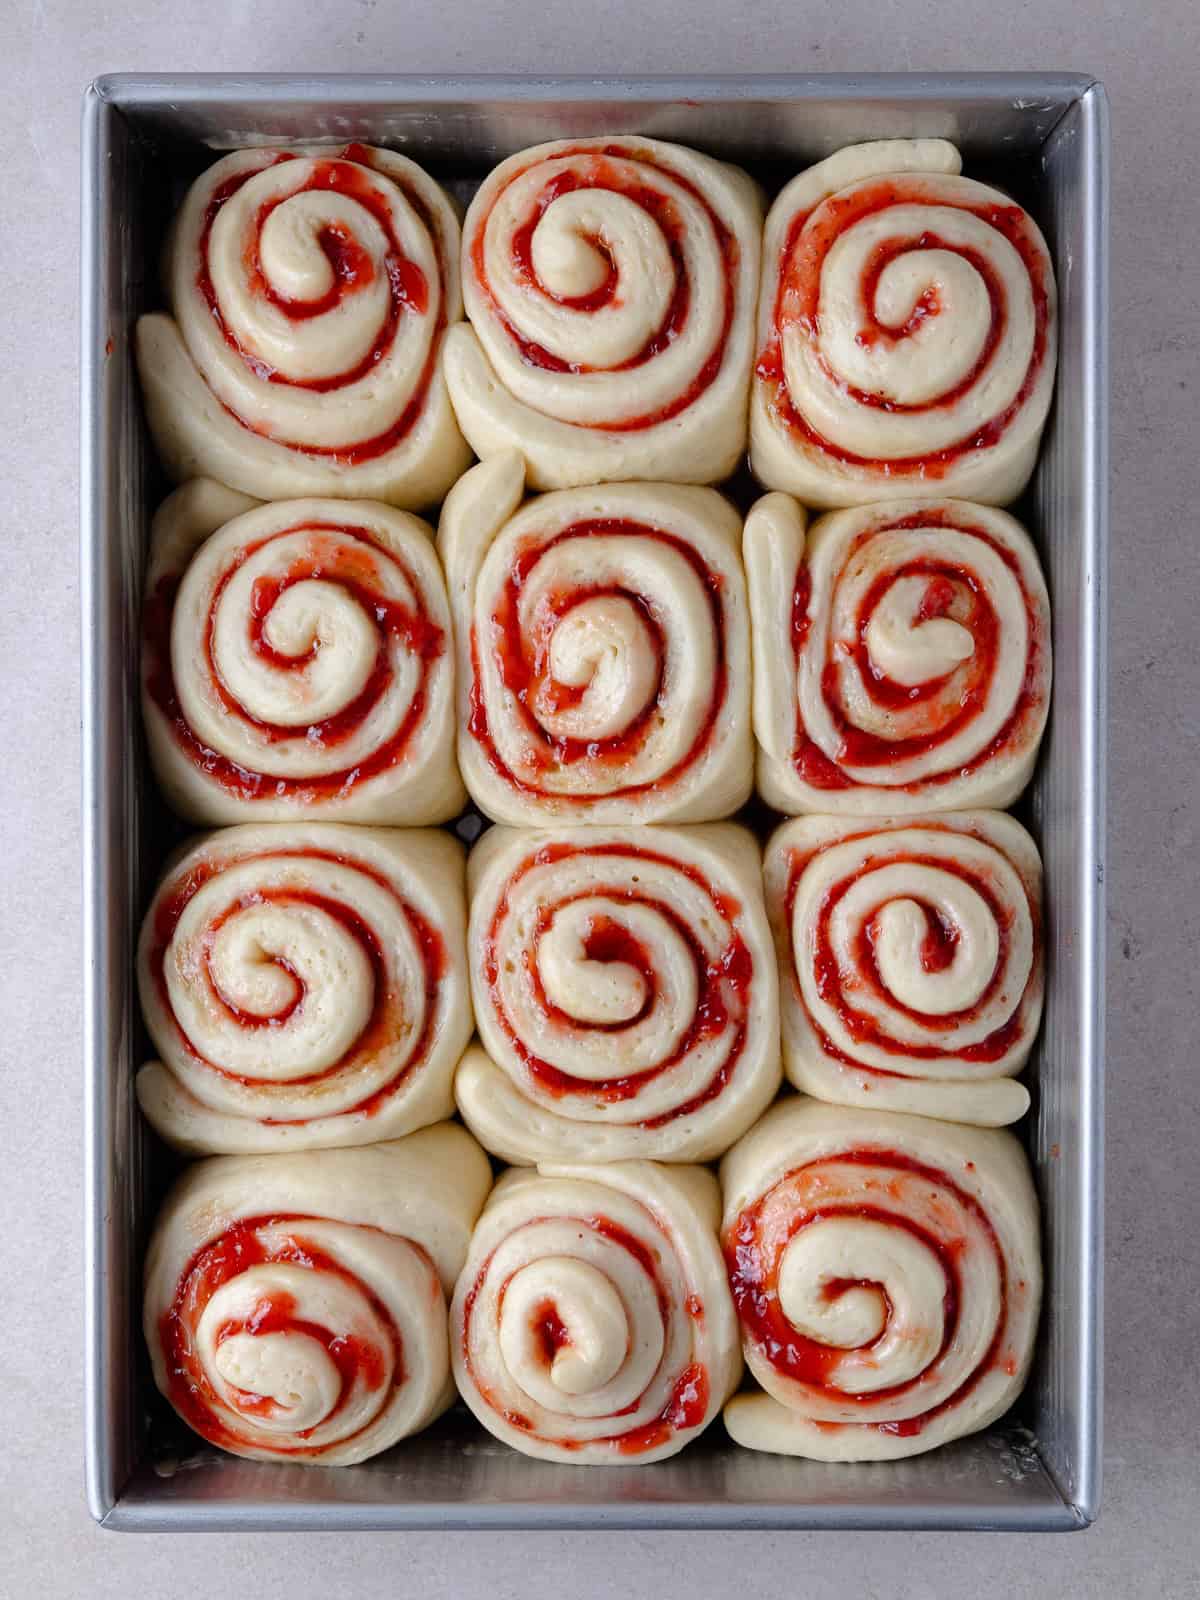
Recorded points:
(1147, 1541)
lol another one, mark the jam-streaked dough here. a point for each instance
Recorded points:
(906, 332)
(297, 661)
(295, 1305)
(887, 1275)
(309, 294)
(592, 1323)
(902, 656)
(625, 990)
(911, 960)
(305, 985)
(610, 286)
(603, 649)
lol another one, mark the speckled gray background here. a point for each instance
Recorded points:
(1147, 1541)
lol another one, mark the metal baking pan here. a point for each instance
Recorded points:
(1042, 135)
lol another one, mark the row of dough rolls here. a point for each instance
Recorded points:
(888, 330)
(318, 1307)
(593, 655)
(879, 1273)
(316, 985)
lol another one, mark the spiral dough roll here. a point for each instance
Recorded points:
(911, 960)
(309, 295)
(610, 286)
(298, 662)
(603, 650)
(625, 991)
(592, 1323)
(887, 1276)
(305, 985)
(906, 332)
(295, 1305)
(902, 656)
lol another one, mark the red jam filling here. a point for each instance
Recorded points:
(347, 557)
(386, 1022)
(687, 1404)
(951, 590)
(359, 1364)
(723, 982)
(809, 240)
(353, 271)
(753, 1265)
(523, 662)
(937, 952)
(601, 170)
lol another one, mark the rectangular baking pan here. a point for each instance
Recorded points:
(1042, 135)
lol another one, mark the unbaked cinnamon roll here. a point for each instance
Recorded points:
(911, 960)
(625, 993)
(295, 1305)
(298, 662)
(304, 985)
(309, 293)
(603, 649)
(610, 286)
(887, 1276)
(592, 1323)
(902, 656)
(906, 332)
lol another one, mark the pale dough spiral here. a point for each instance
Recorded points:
(309, 296)
(911, 960)
(625, 991)
(906, 332)
(902, 656)
(887, 1273)
(305, 985)
(610, 286)
(603, 650)
(298, 662)
(592, 1323)
(295, 1305)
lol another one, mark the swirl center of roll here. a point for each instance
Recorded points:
(935, 950)
(563, 1322)
(321, 648)
(585, 271)
(316, 243)
(583, 970)
(924, 323)
(909, 638)
(292, 989)
(610, 965)
(570, 253)
(290, 1348)
(291, 1371)
(873, 1292)
(603, 654)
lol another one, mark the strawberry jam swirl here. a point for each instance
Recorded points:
(268, 630)
(232, 1298)
(382, 279)
(575, 918)
(592, 1322)
(243, 956)
(550, 738)
(616, 202)
(872, 1290)
(914, 952)
(845, 252)
(976, 699)
(686, 1402)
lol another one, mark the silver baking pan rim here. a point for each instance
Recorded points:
(1041, 1474)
